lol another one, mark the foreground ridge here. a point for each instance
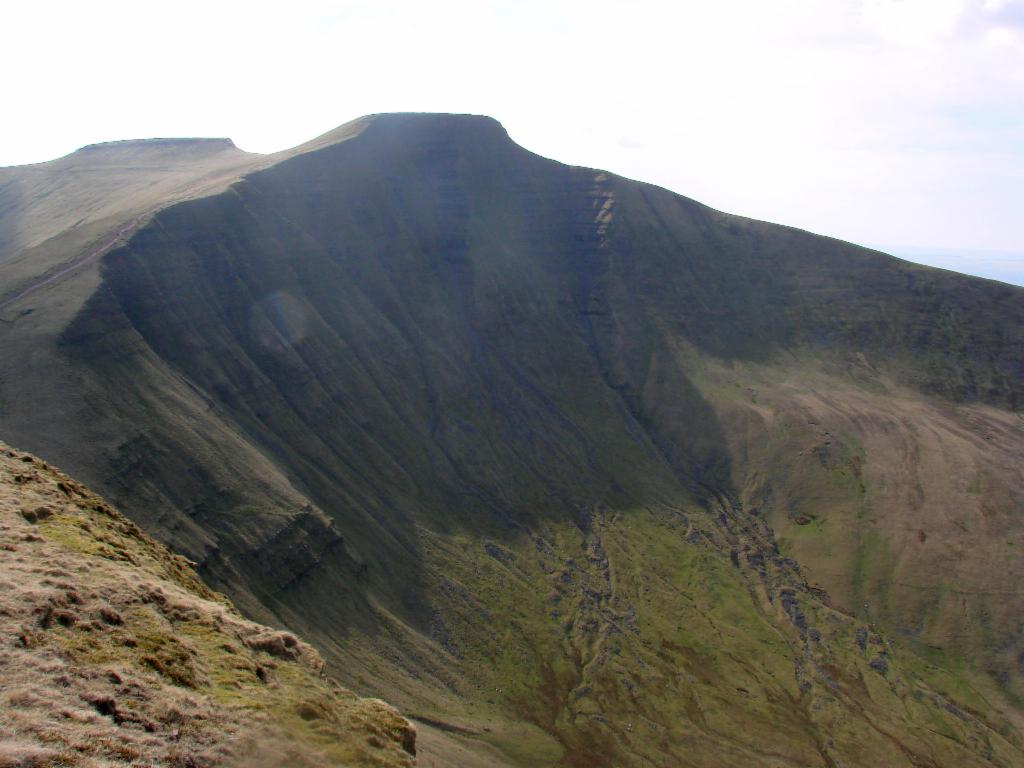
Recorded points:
(116, 654)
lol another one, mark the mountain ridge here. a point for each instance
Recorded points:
(121, 655)
(457, 411)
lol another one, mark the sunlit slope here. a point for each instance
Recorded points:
(516, 442)
(119, 655)
(54, 216)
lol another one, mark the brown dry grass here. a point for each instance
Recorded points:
(114, 653)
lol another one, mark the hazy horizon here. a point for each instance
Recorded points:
(1004, 266)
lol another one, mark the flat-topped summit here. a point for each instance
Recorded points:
(409, 128)
(400, 126)
(428, 120)
(164, 149)
(161, 143)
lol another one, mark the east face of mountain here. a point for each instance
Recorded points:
(574, 467)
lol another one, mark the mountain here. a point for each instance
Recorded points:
(571, 469)
(117, 654)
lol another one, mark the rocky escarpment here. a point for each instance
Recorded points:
(114, 653)
(561, 462)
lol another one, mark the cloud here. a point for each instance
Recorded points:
(1008, 13)
(914, 21)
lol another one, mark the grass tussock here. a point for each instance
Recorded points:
(120, 656)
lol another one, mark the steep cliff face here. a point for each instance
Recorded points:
(116, 654)
(575, 469)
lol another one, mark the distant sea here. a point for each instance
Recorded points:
(1007, 266)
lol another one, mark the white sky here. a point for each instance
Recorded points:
(891, 122)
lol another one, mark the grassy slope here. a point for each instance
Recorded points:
(52, 215)
(118, 655)
(391, 390)
(689, 660)
(903, 508)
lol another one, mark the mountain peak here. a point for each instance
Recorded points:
(410, 127)
(420, 120)
(162, 143)
(578, 470)
(186, 149)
